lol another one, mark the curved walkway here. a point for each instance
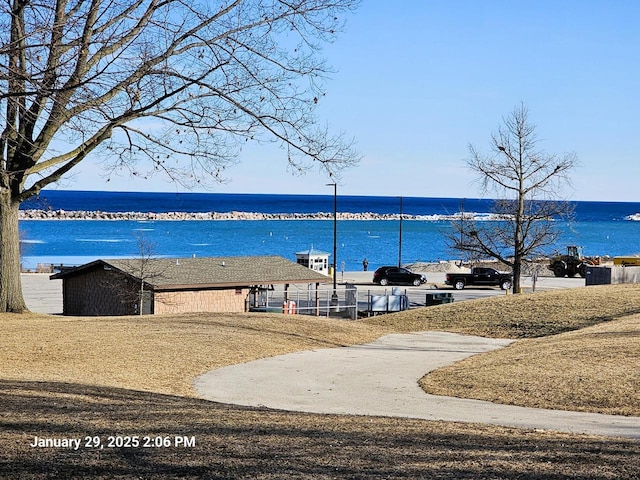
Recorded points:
(381, 378)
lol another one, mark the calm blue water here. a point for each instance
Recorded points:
(599, 226)
(227, 202)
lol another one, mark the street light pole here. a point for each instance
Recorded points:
(334, 296)
(400, 237)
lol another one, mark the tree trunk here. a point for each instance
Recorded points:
(517, 271)
(11, 298)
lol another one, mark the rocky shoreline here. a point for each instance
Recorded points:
(34, 214)
(234, 215)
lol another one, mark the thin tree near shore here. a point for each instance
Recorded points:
(132, 286)
(172, 87)
(526, 184)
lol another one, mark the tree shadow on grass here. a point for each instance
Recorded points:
(240, 442)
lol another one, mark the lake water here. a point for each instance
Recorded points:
(602, 228)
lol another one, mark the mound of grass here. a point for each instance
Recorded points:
(158, 353)
(572, 356)
(521, 316)
(595, 369)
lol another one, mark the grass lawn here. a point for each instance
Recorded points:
(160, 354)
(85, 377)
(572, 354)
(595, 369)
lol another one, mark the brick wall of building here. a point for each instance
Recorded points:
(102, 292)
(97, 292)
(215, 300)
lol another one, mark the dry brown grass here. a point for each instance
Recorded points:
(243, 443)
(521, 316)
(161, 353)
(77, 377)
(595, 369)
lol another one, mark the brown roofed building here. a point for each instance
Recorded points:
(175, 285)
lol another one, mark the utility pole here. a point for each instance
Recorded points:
(334, 296)
(400, 237)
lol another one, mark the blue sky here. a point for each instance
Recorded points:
(416, 82)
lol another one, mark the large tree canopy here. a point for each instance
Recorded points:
(171, 87)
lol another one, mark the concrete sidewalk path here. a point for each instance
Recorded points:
(381, 378)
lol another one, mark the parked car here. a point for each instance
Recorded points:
(397, 275)
(480, 276)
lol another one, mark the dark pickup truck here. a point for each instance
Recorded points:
(480, 276)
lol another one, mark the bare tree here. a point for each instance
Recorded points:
(526, 183)
(137, 275)
(173, 87)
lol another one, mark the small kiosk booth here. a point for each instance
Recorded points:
(315, 260)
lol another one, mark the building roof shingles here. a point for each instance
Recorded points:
(211, 271)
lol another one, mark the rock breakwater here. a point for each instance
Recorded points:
(234, 215)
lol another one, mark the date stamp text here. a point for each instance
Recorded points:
(98, 442)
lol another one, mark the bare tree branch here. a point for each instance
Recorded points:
(525, 183)
(79, 69)
(142, 271)
(160, 87)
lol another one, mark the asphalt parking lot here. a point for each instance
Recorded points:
(45, 296)
(435, 283)
(416, 296)
(41, 294)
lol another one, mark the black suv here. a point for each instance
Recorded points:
(397, 275)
